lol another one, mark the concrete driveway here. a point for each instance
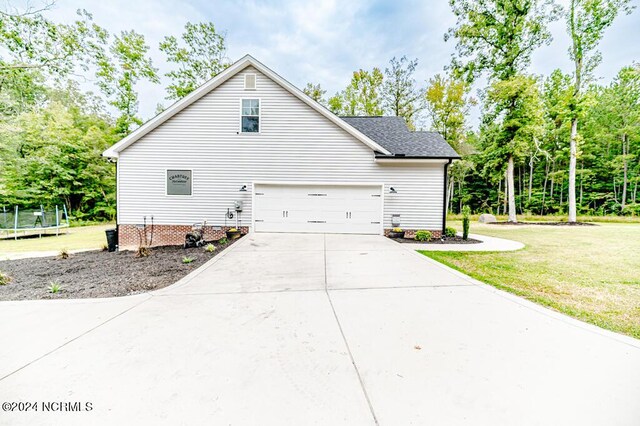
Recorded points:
(315, 329)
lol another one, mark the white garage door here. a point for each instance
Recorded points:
(318, 208)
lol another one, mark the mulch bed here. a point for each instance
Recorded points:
(545, 223)
(101, 274)
(445, 240)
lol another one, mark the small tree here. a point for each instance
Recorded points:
(466, 217)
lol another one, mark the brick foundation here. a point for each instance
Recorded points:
(167, 235)
(411, 233)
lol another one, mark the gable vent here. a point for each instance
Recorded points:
(249, 82)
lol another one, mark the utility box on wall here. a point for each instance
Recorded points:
(395, 220)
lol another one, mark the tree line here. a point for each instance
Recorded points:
(556, 144)
(561, 143)
(52, 132)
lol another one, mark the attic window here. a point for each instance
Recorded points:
(249, 82)
(250, 116)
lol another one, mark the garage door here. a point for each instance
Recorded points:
(318, 208)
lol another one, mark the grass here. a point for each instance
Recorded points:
(85, 237)
(588, 272)
(555, 218)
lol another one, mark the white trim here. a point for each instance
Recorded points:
(382, 191)
(166, 171)
(315, 183)
(240, 132)
(118, 192)
(225, 75)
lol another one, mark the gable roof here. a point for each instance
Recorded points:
(216, 81)
(393, 134)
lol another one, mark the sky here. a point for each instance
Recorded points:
(324, 41)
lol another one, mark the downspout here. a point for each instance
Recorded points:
(444, 198)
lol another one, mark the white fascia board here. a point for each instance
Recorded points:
(401, 161)
(238, 66)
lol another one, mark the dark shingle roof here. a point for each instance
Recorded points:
(393, 134)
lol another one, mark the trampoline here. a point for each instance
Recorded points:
(15, 223)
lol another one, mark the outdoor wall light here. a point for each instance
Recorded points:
(392, 190)
(244, 188)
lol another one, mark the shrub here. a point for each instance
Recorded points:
(466, 213)
(187, 260)
(397, 229)
(233, 230)
(143, 251)
(64, 254)
(54, 287)
(450, 232)
(210, 248)
(223, 241)
(4, 278)
(423, 236)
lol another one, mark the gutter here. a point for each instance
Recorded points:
(444, 197)
(414, 157)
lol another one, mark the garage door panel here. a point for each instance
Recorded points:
(318, 208)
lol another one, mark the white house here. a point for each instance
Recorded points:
(249, 149)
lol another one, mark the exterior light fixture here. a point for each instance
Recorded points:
(392, 190)
(244, 188)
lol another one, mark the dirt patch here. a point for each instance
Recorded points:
(445, 240)
(545, 223)
(101, 274)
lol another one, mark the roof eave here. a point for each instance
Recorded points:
(417, 157)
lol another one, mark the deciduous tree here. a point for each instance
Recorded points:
(361, 96)
(118, 73)
(199, 56)
(401, 95)
(497, 38)
(586, 22)
(315, 92)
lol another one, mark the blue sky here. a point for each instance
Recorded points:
(323, 41)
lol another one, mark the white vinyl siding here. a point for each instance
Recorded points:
(295, 144)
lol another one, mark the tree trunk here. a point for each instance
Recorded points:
(499, 191)
(511, 191)
(449, 203)
(544, 185)
(520, 188)
(581, 180)
(553, 180)
(572, 170)
(505, 198)
(530, 178)
(624, 171)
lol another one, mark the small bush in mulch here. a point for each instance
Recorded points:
(101, 274)
(445, 240)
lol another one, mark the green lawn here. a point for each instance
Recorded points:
(84, 237)
(589, 272)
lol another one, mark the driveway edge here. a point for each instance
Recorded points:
(621, 338)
